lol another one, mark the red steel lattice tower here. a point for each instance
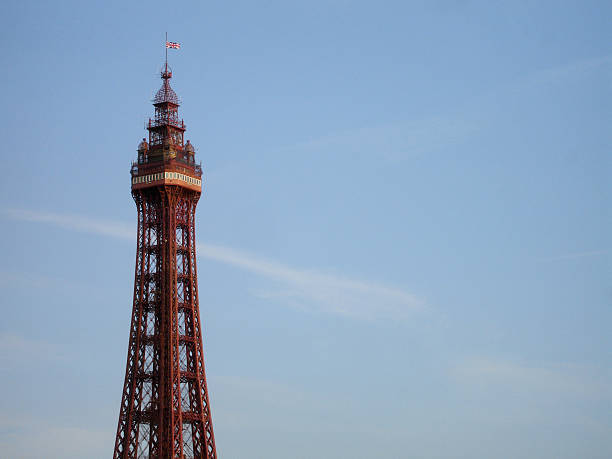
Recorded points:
(165, 410)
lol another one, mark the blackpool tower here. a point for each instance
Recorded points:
(165, 409)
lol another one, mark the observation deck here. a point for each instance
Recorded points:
(166, 165)
(167, 174)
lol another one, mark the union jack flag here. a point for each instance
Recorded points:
(171, 44)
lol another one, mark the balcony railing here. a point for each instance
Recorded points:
(166, 122)
(172, 165)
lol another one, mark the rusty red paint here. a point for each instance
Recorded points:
(165, 409)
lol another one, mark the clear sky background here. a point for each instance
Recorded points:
(404, 240)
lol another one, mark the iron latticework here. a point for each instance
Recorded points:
(165, 410)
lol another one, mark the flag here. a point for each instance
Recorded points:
(171, 44)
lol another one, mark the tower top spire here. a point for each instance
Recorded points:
(166, 72)
(166, 94)
(166, 150)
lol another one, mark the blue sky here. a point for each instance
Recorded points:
(404, 240)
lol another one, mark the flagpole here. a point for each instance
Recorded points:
(166, 45)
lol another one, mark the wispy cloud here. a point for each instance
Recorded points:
(29, 437)
(396, 141)
(545, 379)
(403, 139)
(575, 255)
(322, 291)
(572, 69)
(15, 348)
(302, 288)
(245, 402)
(74, 223)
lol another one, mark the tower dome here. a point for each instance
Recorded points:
(166, 93)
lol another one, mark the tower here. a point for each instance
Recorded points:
(165, 410)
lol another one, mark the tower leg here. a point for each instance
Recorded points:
(165, 410)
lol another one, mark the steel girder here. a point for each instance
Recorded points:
(165, 409)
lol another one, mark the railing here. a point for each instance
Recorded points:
(166, 166)
(166, 121)
(156, 122)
